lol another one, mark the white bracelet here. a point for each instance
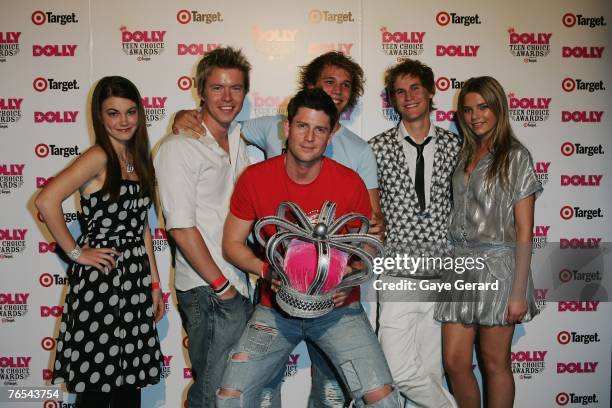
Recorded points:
(225, 289)
(75, 253)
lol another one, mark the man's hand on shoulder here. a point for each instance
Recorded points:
(188, 122)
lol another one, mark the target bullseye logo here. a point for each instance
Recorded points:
(40, 84)
(45, 280)
(564, 337)
(442, 83)
(185, 83)
(566, 212)
(568, 84)
(41, 150)
(315, 16)
(565, 275)
(562, 398)
(183, 16)
(50, 404)
(569, 20)
(48, 343)
(38, 17)
(442, 18)
(567, 149)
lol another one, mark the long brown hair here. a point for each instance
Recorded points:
(502, 138)
(137, 146)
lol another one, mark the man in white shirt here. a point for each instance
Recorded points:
(415, 161)
(196, 179)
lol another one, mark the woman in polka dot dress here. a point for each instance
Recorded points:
(108, 346)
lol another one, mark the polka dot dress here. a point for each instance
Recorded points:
(108, 336)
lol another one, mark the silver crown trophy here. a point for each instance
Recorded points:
(310, 257)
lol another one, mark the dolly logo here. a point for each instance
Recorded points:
(11, 177)
(12, 242)
(196, 48)
(269, 105)
(540, 236)
(291, 368)
(528, 363)
(10, 111)
(529, 111)
(541, 170)
(402, 44)
(9, 44)
(143, 44)
(160, 240)
(155, 108)
(14, 370)
(528, 46)
(13, 306)
(388, 110)
(274, 43)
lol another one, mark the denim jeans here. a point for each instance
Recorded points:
(213, 325)
(344, 335)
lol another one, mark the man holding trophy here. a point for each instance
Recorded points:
(307, 249)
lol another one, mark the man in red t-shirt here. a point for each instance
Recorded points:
(305, 177)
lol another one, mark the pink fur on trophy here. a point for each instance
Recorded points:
(300, 265)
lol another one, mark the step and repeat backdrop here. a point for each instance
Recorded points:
(552, 57)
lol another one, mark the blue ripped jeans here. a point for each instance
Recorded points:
(213, 325)
(344, 335)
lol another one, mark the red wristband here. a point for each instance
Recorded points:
(265, 268)
(155, 285)
(217, 283)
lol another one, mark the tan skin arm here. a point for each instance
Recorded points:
(85, 173)
(523, 221)
(158, 301)
(188, 122)
(377, 221)
(193, 247)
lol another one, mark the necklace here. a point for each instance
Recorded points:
(129, 167)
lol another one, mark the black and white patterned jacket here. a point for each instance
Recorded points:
(405, 225)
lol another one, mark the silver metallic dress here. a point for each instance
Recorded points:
(482, 225)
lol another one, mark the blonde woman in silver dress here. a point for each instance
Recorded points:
(494, 191)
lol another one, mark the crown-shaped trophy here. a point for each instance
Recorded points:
(310, 257)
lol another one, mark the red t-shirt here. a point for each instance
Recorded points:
(263, 186)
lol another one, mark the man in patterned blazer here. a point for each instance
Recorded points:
(415, 162)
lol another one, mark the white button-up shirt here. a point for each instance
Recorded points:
(411, 155)
(196, 178)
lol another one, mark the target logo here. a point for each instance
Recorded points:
(562, 398)
(39, 18)
(41, 150)
(564, 337)
(566, 212)
(567, 149)
(565, 275)
(183, 16)
(50, 404)
(315, 16)
(40, 84)
(185, 83)
(569, 20)
(568, 84)
(186, 342)
(45, 280)
(48, 343)
(443, 18)
(443, 83)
